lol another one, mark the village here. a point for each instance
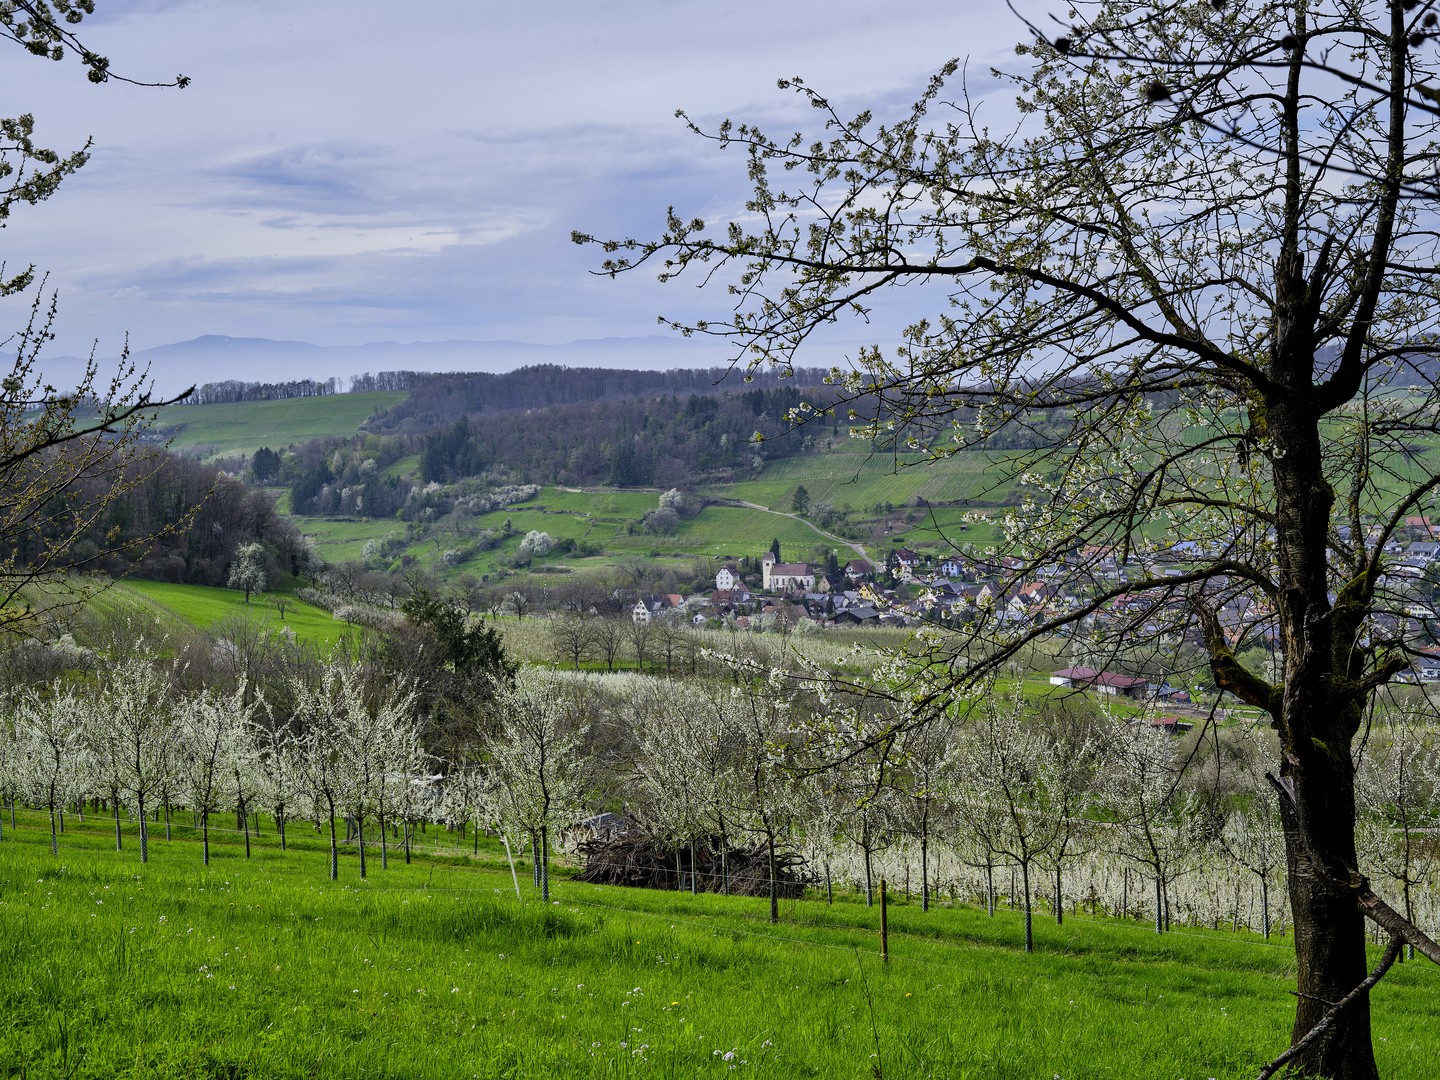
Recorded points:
(959, 590)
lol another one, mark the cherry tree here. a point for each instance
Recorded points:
(131, 732)
(535, 757)
(50, 748)
(1003, 800)
(761, 793)
(210, 728)
(279, 770)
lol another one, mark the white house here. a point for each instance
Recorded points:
(727, 577)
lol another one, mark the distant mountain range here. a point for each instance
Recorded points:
(215, 358)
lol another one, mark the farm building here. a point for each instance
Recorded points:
(1103, 681)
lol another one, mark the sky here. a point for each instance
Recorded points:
(342, 173)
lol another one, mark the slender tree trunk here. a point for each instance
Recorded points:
(54, 839)
(144, 831)
(1125, 894)
(245, 820)
(205, 836)
(334, 852)
(1265, 906)
(1059, 896)
(384, 852)
(924, 874)
(1160, 909)
(869, 887)
(280, 825)
(360, 840)
(544, 864)
(990, 887)
(774, 893)
(168, 836)
(1029, 924)
(829, 887)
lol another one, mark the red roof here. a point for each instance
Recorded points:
(1104, 678)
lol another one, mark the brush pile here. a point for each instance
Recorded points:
(639, 861)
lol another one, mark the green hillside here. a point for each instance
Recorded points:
(245, 426)
(203, 606)
(262, 967)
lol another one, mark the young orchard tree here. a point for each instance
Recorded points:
(674, 768)
(1068, 773)
(50, 745)
(210, 729)
(375, 740)
(279, 772)
(131, 733)
(1152, 821)
(1186, 283)
(762, 791)
(1005, 802)
(1396, 786)
(319, 710)
(535, 755)
(1253, 839)
(926, 757)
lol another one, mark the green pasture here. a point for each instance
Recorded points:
(406, 466)
(263, 967)
(243, 427)
(344, 540)
(204, 606)
(861, 481)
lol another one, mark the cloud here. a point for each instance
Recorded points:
(341, 171)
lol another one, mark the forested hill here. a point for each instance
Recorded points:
(666, 440)
(437, 399)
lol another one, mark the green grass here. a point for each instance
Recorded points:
(861, 481)
(243, 427)
(203, 606)
(264, 968)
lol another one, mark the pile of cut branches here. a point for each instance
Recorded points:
(639, 861)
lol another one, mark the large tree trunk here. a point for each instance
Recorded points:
(1329, 938)
(1318, 719)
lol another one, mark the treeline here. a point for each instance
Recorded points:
(637, 443)
(219, 393)
(173, 519)
(444, 398)
(387, 380)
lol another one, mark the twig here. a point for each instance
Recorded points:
(1392, 951)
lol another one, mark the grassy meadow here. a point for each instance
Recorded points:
(242, 427)
(204, 606)
(262, 967)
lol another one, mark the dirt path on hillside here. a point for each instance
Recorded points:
(796, 517)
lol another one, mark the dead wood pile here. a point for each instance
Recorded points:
(641, 862)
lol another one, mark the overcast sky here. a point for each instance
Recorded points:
(349, 172)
